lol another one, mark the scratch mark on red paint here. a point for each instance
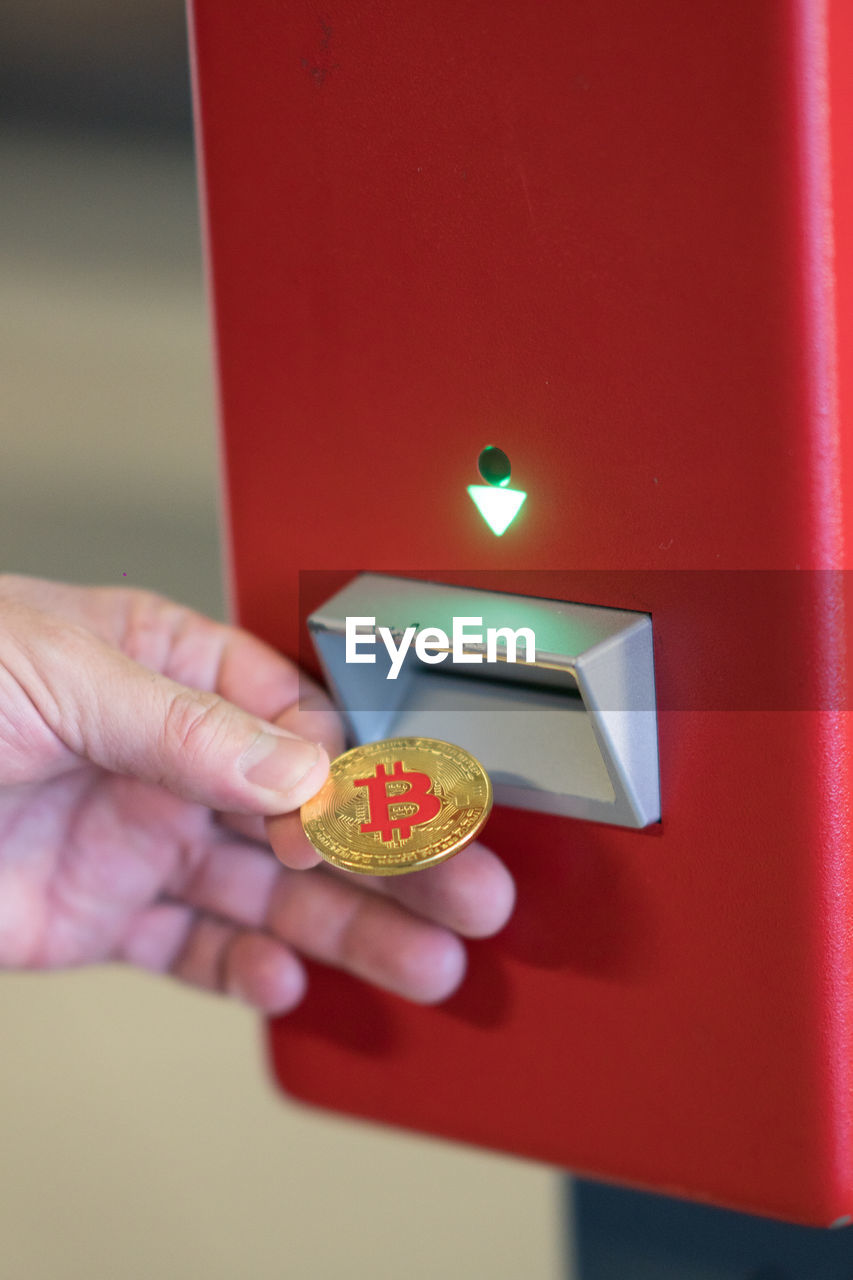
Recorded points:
(320, 64)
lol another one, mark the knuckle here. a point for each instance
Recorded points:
(147, 622)
(195, 724)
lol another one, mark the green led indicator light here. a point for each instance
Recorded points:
(497, 504)
(493, 466)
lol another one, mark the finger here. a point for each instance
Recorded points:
(185, 645)
(100, 609)
(195, 650)
(313, 716)
(247, 964)
(242, 669)
(316, 720)
(333, 920)
(283, 833)
(337, 922)
(289, 842)
(366, 935)
(472, 893)
(249, 825)
(215, 956)
(122, 716)
(229, 879)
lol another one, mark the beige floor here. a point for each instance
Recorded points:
(139, 1135)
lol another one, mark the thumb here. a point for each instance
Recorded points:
(131, 720)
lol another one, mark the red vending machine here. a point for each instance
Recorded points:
(603, 237)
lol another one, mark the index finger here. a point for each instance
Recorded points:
(256, 677)
(253, 675)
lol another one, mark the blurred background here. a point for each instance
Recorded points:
(140, 1134)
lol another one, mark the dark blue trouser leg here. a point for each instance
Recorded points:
(627, 1235)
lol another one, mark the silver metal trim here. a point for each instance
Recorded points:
(604, 655)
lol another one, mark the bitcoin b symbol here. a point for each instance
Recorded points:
(380, 803)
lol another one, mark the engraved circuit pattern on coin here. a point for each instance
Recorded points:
(399, 805)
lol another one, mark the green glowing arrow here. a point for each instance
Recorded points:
(498, 507)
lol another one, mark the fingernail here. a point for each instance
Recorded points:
(279, 763)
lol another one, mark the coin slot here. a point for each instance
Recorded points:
(545, 742)
(572, 733)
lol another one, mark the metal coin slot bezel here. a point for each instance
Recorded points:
(574, 733)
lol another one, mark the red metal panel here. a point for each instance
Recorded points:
(595, 234)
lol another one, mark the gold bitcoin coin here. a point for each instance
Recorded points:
(397, 806)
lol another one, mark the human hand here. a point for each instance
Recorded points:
(148, 758)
